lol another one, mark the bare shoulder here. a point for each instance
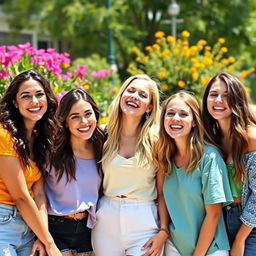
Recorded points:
(251, 138)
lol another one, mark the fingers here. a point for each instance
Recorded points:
(147, 244)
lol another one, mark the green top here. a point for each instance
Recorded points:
(187, 193)
(236, 187)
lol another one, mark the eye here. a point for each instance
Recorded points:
(143, 95)
(74, 117)
(40, 95)
(213, 95)
(88, 114)
(183, 115)
(170, 114)
(26, 97)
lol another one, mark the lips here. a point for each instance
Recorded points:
(176, 127)
(132, 104)
(84, 129)
(216, 108)
(34, 110)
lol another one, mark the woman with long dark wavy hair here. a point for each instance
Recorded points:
(232, 127)
(26, 127)
(73, 175)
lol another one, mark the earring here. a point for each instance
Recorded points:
(147, 115)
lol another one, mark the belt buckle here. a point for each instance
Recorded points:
(78, 216)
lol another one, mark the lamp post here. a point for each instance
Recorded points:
(111, 56)
(174, 10)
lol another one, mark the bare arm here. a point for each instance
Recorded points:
(40, 199)
(208, 228)
(15, 182)
(157, 242)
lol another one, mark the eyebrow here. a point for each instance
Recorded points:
(217, 91)
(75, 113)
(27, 92)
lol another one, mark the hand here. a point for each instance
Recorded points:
(38, 247)
(53, 250)
(156, 243)
(237, 248)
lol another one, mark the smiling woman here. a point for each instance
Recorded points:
(127, 216)
(73, 174)
(26, 134)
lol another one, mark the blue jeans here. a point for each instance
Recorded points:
(16, 238)
(232, 215)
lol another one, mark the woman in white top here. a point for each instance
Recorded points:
(127, 218)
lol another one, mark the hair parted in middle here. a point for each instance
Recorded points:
(241, 119)
(166, 147)
(148, 125)
(62, 158)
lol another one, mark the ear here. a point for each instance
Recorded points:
(150, 108)
(193, 124)
(15, 103)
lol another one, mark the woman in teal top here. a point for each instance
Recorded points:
(232, 127)
(196, 184)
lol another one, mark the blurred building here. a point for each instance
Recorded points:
(26, 35)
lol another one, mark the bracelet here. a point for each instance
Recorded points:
(165, 230)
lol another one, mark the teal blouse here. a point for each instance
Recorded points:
(186, 194)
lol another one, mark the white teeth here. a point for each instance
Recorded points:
(130, 103)
(176, 126)
(84, 129)
(34, 109)
(218, 108)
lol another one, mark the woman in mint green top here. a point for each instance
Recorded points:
(196, 184)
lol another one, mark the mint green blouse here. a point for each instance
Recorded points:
(236, 187)
(186, 194)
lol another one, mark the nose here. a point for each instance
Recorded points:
(219, 98)
(84, 120)
(34, 99)
(176, 116)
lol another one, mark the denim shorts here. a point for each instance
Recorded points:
(232, 215)
(70, 235)
(16, 238)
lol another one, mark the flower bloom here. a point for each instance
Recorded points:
(221, 40)
(185, 33)
(181, 83)
(159, 34)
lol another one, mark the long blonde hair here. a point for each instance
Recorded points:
(148, 126)
(166, 147)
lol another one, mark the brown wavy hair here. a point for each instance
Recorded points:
(241, 119)
(166, 147)
(12, 120)
(62, 158)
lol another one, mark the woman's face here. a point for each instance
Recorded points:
(81, 120)
(136, 99)
(217, 101)
(178, 119)
(31, 101)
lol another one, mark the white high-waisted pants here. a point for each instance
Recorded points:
(123, 226)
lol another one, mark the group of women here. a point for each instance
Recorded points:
(173, 179)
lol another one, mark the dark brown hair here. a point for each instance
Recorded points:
(62, 158)
(12, 120)
(240, 120)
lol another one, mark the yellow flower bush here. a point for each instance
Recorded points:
(177, 64)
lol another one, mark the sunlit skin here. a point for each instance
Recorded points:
(217, 102)
(178, 120)
(81, 121)
(31, 101)
(136, 99)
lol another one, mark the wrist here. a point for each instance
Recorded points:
(165, 230)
